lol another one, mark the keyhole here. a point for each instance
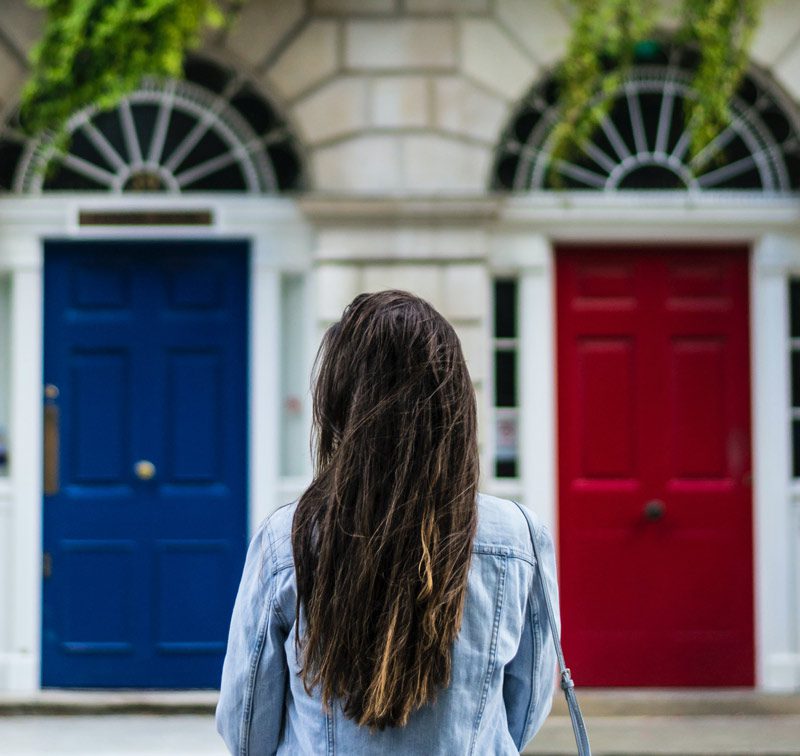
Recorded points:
(654, 509)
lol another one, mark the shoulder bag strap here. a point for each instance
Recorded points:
(578, 727)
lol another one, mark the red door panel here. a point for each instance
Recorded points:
(654, 465)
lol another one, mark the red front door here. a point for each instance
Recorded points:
(655, 537)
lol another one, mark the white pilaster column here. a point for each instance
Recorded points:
(22, 657)
(534, 258)
(280, 243)
(265, 339)
(775, 538)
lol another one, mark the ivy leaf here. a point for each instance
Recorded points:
(602, 49)
(95, 52)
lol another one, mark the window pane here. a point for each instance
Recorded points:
(294, 381)
(796, 448)
(505, 309)
(506, 444)
(506, 468)
(5, 359)
(795, 379)
(794, 307)
(505, 378)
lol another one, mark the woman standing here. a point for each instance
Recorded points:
(392, 609)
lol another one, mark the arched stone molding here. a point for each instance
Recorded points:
(211, 131)
(643, 143)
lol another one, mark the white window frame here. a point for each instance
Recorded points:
(5, 372)
(506, 487)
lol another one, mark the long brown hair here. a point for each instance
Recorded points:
(383, 536)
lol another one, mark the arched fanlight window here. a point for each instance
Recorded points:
(210, 132)
(643, 143)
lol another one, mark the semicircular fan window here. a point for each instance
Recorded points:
(643, 143)
(174, 136)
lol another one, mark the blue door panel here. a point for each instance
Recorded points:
(93, 622)
(147, 344)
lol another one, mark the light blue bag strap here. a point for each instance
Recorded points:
(578, 727)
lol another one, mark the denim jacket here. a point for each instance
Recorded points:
(503, 663)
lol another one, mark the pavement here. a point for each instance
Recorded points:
(684, 735)
(110, 735)
(620, 723)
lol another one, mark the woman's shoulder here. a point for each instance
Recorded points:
(275, 532)
(502, 524)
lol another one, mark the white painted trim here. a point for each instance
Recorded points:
(279, 240)
(529, 256)
(19, 666)
(311, 345)
(775, 535)
(239, 216)
(508, 488)
(645, 219)
(747, 212)
(537, 364)
(618, 215)
(265, 324)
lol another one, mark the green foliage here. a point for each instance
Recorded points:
(723, 31)
(94, 52)
(599, 55)
(605, 39)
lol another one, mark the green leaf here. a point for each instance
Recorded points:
(95, 52)
(608, 35)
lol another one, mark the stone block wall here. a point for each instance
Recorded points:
(444, 265)
(20, 28)
(393, 97)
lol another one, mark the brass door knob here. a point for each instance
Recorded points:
(654, 509)
(144, 469)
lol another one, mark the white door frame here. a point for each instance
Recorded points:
(279, 243)
(527, 230)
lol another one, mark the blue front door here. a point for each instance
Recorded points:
(145, 373)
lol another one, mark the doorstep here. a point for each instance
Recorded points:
(621, 702)
(62, 701)
(594, 702)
